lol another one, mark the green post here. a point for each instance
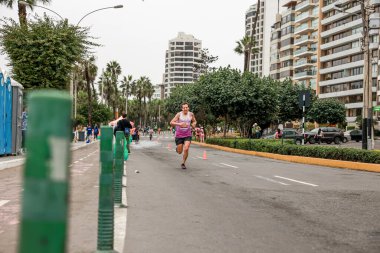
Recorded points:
(43, 226)
(119, 166)
(106, 202)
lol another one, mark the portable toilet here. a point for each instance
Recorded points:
(8, 116)
(17, 106)
(2, 113)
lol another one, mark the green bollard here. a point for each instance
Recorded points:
(119, 166)
(43, 226)
(106, 202)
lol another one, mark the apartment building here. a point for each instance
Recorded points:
(341, 56)
(282, 43)
(306, 42)
(260, 62)
(183, 52)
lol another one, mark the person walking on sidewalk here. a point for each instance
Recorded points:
(183, 122)
(125, 126)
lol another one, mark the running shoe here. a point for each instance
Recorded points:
(183, 166)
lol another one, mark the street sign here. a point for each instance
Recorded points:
(304, 97)
(376, 108)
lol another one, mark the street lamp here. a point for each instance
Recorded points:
(112, 7)
(366, 10)
(29, 4)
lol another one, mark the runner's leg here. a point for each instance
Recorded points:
(179, 148)
(186, 151)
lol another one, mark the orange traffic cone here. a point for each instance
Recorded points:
(204, 155)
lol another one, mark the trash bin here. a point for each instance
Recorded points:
(81, 136)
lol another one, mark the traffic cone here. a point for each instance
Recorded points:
(204, 155)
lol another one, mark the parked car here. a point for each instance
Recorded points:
(287, 133)
(329, 135)
(356, 135)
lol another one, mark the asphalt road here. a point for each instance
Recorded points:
(238, 203)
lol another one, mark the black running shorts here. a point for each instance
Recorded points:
(179, 141)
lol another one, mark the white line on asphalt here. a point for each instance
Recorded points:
(217, 165)
(198, 157)
(3, 202)
(81, 159)
(271, 180)
(76, 162)
(225, 164)
(300, 182)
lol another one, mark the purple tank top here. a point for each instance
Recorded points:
(183, 132)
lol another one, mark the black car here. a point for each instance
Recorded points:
(329, 135)
(356, 135)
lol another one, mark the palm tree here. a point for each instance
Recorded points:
(247, 47)
(138, 91)
(114, 69)
(22, 7)
(127, 85)
(148, 92)
(90, 71)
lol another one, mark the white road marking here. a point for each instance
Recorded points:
(198, 157)
(271, 180)
(81, 159)
(300, 182)
(76, 162)
(3, 202)
(217, 165)
(225, 164)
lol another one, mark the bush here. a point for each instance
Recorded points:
(288, 148)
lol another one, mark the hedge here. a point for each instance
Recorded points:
(288, 148)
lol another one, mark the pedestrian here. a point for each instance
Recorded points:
(202, 134)
(24, 126)
(89, 133)
(278, 134)
(151, 133)
(183, 122)
(96, 132)
(125, 126)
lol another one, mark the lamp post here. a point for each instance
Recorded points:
(105, 8)
(366, 10)
(42, 7)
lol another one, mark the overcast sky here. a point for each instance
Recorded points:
(137, 35)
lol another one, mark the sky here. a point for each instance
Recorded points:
(138, 35)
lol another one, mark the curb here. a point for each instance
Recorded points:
(301, 159)
(18, 162)
(121, 220)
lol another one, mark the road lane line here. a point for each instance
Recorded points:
(76, 162)
(217, 165)
(198, 157)
(271, 180)
(225, 164)
(3, 202)
(300, 182)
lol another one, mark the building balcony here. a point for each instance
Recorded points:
(344, 93)
(289, 3)
(342, 28)
(304, 51)
(341, 67)
(304, 40)
(305, 5)
(305, 28)
(304, 63)
(342, 41)
(340, 54)
(341, 80)
(340, 15)
(304, 17)
(304, 75)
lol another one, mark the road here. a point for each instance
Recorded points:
(239, 203)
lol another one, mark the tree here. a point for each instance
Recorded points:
(113, 67)
(138, 91)
(90, 72)
(148, 92)
(22, 7)
(328, 110)
(246, 46)
(127, 86)
(202, 65)
(101, 113)
(42, 55)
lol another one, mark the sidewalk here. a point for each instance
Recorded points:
(7, 162)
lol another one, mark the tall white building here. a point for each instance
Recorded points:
(260, 62)
(182, 54)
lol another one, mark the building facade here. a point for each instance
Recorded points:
(260, 62)
(341, 56)
(182, 54)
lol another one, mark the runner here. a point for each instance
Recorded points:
(183, 122)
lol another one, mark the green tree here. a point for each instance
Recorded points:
(90, 72)
(43, 54)
(328, 110)
(127, 84)
(22, 7)
(247, 47)
(138, 92)
(202, 65)
(148, 92)
(113, 67)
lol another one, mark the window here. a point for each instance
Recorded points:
(357, 71)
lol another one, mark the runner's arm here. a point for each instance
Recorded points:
(174, 121)
(193, 121)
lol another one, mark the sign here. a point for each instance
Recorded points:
(376, 108)
(304, 99)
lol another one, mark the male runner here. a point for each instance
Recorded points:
(183, 122)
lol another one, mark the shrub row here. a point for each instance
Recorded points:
(288, 148)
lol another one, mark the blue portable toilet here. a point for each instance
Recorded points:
(8, 116)
(2, 110)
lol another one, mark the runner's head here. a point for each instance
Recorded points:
(185, 107)
(124, 115)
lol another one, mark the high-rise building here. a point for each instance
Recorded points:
(341, 56)
(306, 42)
(282, 43)
(183, 52)
(260, 62)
